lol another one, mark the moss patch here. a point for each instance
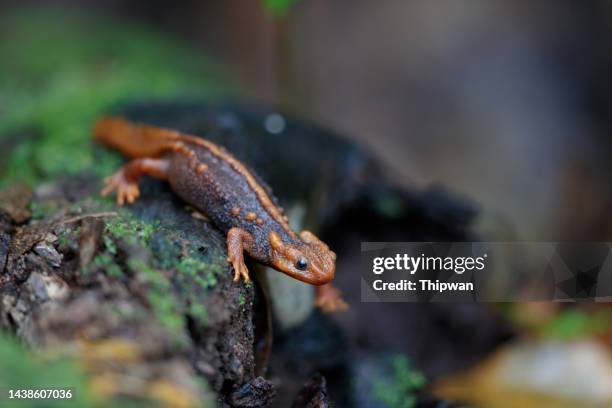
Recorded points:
(62, 69)
(168, 264)
(400, 391)
(106, 262)
(574, 323)
(131, 230)
(160, 296)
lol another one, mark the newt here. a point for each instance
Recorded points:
(234, 198)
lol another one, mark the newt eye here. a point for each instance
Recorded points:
(301, 264)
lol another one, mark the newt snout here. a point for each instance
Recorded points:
(309, 259)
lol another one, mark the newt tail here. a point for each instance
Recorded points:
(212, 180)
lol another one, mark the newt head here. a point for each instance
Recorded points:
(309, 260)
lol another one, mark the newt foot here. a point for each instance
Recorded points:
(240, 270)
(127, 191)
(329, 299)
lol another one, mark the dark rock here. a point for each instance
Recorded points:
(4, 247)
(256, 393)
(49, 254)
(316, 346)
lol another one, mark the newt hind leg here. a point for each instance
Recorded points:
(237, 241)
(125, 180)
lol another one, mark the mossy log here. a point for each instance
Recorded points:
(146, 287)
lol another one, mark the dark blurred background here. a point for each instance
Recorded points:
(506, 102)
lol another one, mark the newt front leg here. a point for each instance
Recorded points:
(237, 241)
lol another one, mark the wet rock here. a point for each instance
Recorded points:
(37, 286)
(48, 252)
(47, 287)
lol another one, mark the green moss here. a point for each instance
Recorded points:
(109, 245)
(201, 273)
(159, 294)
(106, 262)
(61, 70)
(195, 277)
(198, 311)
(21, 370)
(131, 230)
(65, 238)
(166, 271)
(400, 391)
(42, 210)
(195, 273)
(574, 323)
(166, 250)
(278, 7)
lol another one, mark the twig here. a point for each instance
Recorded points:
(92, 215)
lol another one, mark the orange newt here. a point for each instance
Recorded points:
(213, 181)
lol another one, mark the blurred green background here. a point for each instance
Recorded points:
(60, 69)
